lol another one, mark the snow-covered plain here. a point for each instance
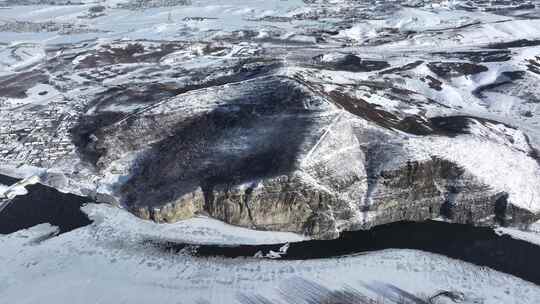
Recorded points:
(108, 261)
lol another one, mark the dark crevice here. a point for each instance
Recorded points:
(247, 196)
(501, 207)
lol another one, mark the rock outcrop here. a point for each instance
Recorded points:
(277, 153)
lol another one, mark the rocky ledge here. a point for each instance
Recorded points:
(282, 153)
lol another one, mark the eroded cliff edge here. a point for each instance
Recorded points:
(282, 153)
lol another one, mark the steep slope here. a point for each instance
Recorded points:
(279, 153)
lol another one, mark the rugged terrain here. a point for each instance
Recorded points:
(308, 117)
(143, 144)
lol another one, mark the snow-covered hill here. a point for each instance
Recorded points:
(298, 119)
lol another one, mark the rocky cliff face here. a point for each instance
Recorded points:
(418, 191)
(280, 153)
(431, 189)
(282, 204)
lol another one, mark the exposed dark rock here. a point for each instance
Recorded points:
(97, 9)
(478, 56)
(351, 63)
(424, 190)
(407, 67)
(534, 65)
(130, 53)
(413, 124)
(433, 82)
(514, 44)
(364, 109)
(459, 124)
(455, 69)
(15, 86)
(528, 114)
(452, 125)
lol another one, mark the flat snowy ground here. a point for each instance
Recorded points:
(107, 262)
